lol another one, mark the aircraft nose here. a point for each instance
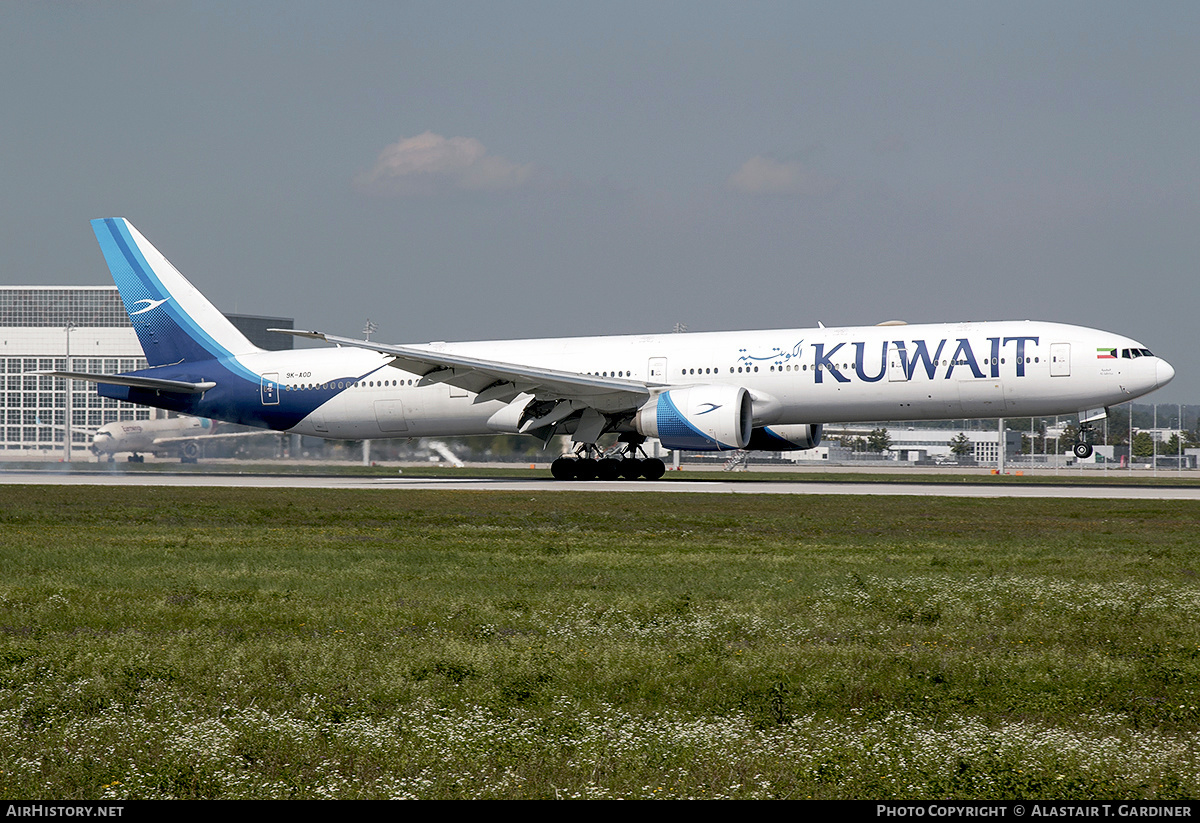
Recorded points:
(1164, 372)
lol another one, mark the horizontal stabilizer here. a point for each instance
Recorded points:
(151, 383)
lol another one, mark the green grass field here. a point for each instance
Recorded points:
(233, 643)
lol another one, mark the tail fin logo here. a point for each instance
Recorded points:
(150, 304)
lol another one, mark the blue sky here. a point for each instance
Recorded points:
(476, 170)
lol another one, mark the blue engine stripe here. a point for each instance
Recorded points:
(675, 432)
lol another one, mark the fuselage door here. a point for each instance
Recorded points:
(981, 397)
(269, 389)
(897, 357)
(656, 371)
(389, 414)
(1060, 359)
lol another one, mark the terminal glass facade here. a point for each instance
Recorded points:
(28, 306)
(61, 328)
(75, 328)
(35, 407)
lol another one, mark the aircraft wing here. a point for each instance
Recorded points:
(151, 383)
(496, 380)
(166, 441)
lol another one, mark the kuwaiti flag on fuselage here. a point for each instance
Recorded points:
(173, 320)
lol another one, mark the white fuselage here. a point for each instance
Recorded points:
(801, 376)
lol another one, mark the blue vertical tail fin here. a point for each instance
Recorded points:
(173, 320)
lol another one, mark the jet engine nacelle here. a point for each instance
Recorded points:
(786, 438)
(699, 418)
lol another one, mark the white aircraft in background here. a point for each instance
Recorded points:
(182, 435)
(771, 390)
(138, 436)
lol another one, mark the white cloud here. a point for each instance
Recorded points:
(765, 175)
(429, 163)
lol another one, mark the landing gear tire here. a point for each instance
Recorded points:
(631, 468)
(653, 468)
(1083, 450)
(608, 468)
(563, 468)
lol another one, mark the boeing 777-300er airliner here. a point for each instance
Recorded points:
(770, 390)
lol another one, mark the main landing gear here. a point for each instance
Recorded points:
(1083, 444)
(616, 464)
(189, 452)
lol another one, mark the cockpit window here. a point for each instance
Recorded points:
(1129, 354)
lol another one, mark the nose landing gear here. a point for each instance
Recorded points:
(1083, 446)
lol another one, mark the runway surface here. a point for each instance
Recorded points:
(400, 483)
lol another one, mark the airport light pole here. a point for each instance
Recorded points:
(67, 419)
(1131, 436)
(1000, 450)
(1056, 445)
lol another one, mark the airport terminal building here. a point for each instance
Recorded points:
(75, 328)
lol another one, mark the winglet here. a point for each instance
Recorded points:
(314, 335)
